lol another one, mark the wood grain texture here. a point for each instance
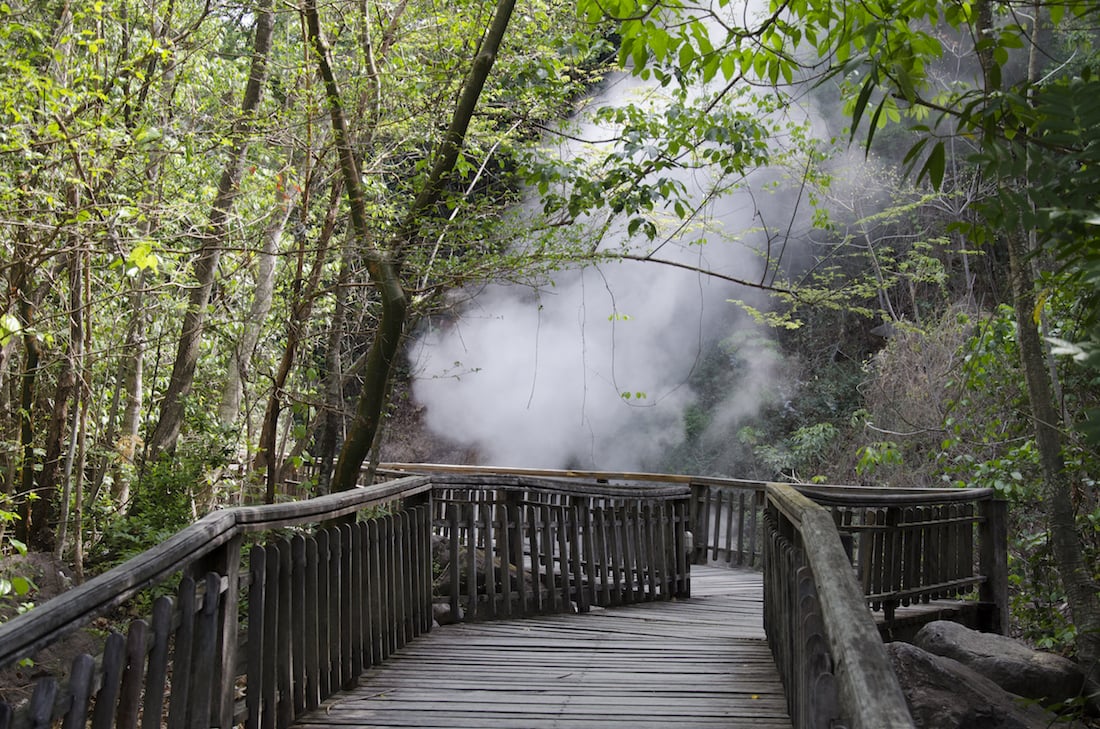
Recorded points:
(699, 662)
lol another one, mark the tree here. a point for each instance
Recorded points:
(881, 57)
(210, 242)
(384, 262)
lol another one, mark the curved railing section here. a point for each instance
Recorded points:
(833, 663)
(330, 586)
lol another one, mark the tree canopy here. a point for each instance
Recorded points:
(221, 221)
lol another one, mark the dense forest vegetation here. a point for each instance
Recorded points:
(222, 222)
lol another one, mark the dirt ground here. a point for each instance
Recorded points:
(51, 578)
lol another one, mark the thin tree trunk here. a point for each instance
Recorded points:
(302, 303)
(1081, 590)
(210, 244)
(384, 264)
(28, 306)
(262, 295)
(332, 413)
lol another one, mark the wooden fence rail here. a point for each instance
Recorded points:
(258, 639)
(908, 546)
(523, 546)
(833, 664)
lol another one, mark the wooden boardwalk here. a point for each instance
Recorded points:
(701, 662)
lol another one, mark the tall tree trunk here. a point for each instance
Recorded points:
(210, 244)
(1081, 590)
(32, 349)
(384, 264)
(74, 363)
(262, 295)
(332, 412)
(303, 295)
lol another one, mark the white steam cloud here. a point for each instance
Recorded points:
(592, 372)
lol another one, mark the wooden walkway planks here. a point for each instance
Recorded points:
(701, 662)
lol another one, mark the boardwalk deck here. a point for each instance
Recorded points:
(701, 662)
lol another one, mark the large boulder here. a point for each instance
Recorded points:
(1013, 666)
(944, 694)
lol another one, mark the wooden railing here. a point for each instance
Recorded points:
(911, 546)
(726, 521)
(908, 546)
(828, 651)
(314, 606)
(522, 545)
(290, 629)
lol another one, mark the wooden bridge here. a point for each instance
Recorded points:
(569, 599)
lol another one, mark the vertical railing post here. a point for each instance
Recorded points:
(226, 561)
(700, 522)
(993, 562)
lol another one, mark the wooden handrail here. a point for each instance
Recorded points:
(25, 634)
(306, 612)
(520, 541)
(869, 692)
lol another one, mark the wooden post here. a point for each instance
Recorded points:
(699, 518)
(225, 561)
(993, 562)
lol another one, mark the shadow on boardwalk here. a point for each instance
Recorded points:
(700, 662)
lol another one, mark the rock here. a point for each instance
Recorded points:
(1013, 666)
(441, 614)
(944, 694)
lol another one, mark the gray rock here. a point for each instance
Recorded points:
(442, 615)
(944, 694)
(1010, 664)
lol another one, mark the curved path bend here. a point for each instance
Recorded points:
(700, 662)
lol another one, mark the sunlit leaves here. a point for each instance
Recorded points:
(9, 326)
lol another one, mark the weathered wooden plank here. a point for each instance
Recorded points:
(754, 518)
(356, 559)
(114, 659)
(577, 557)
(374, 590)
(324, 656)
(40, 709)
(129, 700)
(157, 676)
(700, 663)
(297, 637)
(80, 692)
(182, 654)
(269, 685)
(602, 554)
(561, 520)
(424, 557)
(347, 602)
(470, 524)
(515, 514)
(387, 580)
(284, 669)
(335, 605)
(310, 639)
(257, 612)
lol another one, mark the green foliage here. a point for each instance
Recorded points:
(164, 498)
(1037, 599)
(873, 457)
(803, 450)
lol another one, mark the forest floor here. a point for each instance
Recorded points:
(50, 577)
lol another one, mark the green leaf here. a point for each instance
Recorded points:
(9, 325)
(935, 165)
(858, 109)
